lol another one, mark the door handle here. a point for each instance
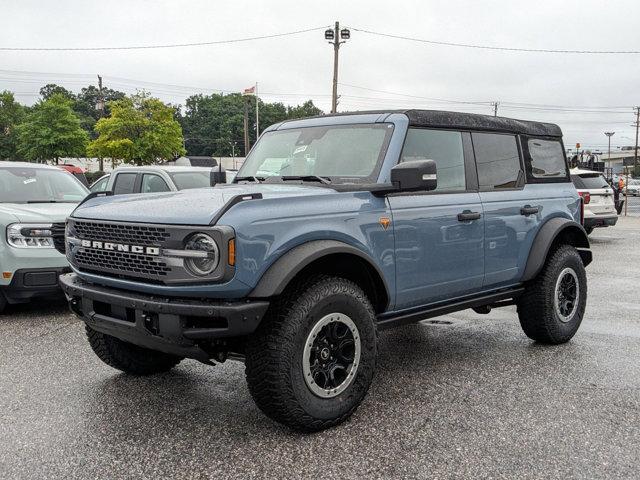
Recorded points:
(529, 210)
(468, 215)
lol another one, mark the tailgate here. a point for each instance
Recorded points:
(601, 202)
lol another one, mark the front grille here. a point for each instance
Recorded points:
(143, 252)
(57, 233)
(121, 233)
(120, 262)
(115, 262)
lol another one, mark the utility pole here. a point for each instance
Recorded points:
(100, 108)
(495, 108)
(233, 152)
(336, 38)
(609, 135)
(257, 115)
(246, 126)
(635, 152)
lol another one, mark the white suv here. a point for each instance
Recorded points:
(35, 200)
(597, 195)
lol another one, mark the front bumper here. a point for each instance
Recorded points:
(27, 283)
(183, 327)
(600, 221)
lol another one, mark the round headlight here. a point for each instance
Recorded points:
(208, 257)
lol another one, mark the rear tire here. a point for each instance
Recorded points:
(327, 319)
(552, 306)
(127, 357)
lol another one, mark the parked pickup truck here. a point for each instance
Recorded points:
(155, 178)
(335, 227)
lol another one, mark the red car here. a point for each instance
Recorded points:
(77, 172)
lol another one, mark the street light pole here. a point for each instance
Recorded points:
(100, 108)
(635, 151)
(609, 135)
(336, 37)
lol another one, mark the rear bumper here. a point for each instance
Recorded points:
(600, 221)
(183, 327)
(27, 283)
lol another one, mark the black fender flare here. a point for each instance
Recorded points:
(283, 270)
(545, 238)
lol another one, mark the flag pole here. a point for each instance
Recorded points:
(257, 114)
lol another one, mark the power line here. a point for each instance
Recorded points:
(179, 91)
(508, 105)
(505, 49)
(415, 96)
(169, 45)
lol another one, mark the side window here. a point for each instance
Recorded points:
(545, 160)
(124, 183)
(442, 146)
(101, 185)
(153, 183)
(497, 160)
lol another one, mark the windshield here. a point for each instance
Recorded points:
(34, 185)
(346, 153)
(589, 181)
(186, 180)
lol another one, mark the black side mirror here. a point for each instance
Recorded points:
(415, 175)
(218, 175)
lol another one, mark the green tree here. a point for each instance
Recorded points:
(51, 130)
(84, 104)
(11, 114)
(140, 130)
(51, 89)
(212, 123)
(307, 109)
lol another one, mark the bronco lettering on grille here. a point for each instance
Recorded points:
(120, 247)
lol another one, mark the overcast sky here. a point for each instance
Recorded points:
(294, 68)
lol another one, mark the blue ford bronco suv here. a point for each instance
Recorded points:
(335, 227)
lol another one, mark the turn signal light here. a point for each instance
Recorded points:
(232, 252)
(6, 275)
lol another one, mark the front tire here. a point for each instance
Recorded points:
(310, 363)
(127, 357)
(3, 302)
(552, 306)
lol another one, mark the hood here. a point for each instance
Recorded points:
(38, 212)
(186, 207)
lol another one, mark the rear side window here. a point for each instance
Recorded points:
(497, 160)
(152, 183)
(546, 159)
(124, 183)
(589, 181)
(187, 180)
(445, 148)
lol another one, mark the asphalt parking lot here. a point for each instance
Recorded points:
(473, 398)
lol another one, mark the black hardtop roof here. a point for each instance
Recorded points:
(474, 121)
(470, 121)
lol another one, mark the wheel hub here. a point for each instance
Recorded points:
(567, 295)
(331, 355)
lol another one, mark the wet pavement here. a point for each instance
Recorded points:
(468, 398)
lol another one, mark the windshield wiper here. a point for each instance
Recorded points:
(307, 178)
(249, 178)
(44, 201)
